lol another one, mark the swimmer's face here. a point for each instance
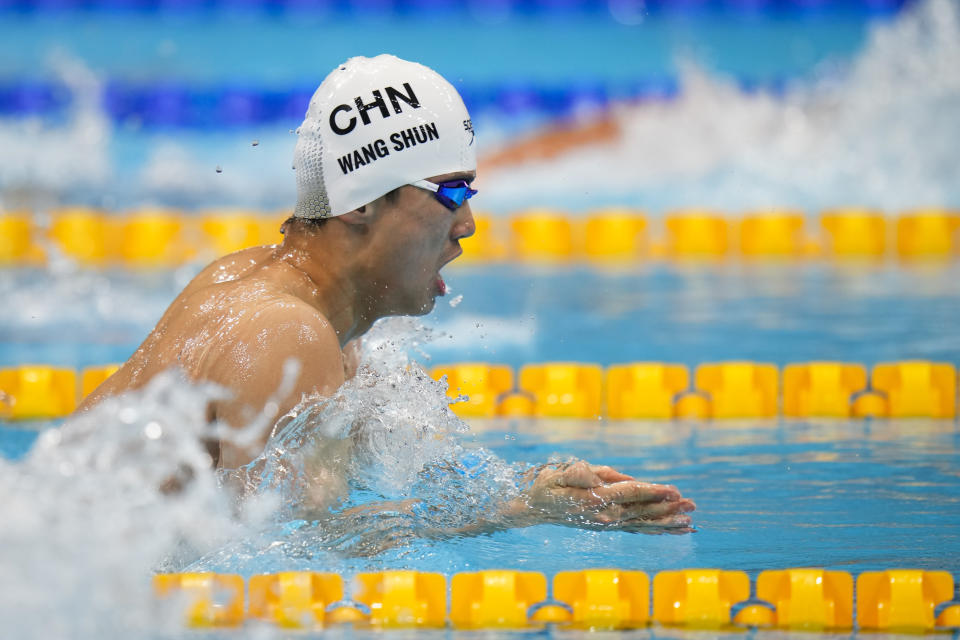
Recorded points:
(417, 236)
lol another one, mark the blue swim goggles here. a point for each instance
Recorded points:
(450, 194)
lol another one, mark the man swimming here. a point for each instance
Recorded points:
(384, 162)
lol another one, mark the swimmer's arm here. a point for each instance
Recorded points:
(585, 495)
(590, 496)
(577, 495)
(253, 370)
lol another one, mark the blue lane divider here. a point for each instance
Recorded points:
(32, 97)
(409, 7)
(168, 104)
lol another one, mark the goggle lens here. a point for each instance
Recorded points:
(452, 194)
(449, 194)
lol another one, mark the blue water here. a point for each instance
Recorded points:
(236, 69)
(200, 50)
(16, 440)
(854, 495)
(140, 108)
(850, 495)
(515, 315)
(776, 314)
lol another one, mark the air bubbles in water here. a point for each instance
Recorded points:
(456, 300)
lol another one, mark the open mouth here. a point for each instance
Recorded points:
(440, 284)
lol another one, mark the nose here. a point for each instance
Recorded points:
(463, 224)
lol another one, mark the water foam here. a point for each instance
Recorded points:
(44, 162)
(98, 504)
(127, 489)
(880, 133)
(379, 464)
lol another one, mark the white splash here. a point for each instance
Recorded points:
(101, 502)
(41, 162)
(127, 488)
(883, 133)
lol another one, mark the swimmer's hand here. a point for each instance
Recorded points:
(585, 495)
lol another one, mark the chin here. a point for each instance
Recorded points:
(426, 307)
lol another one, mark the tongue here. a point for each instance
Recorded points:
(441, 286)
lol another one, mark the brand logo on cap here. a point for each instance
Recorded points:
(342, 126)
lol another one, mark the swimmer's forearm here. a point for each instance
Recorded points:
(514, 514)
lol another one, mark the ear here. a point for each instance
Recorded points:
(366, 214)
(359, 216)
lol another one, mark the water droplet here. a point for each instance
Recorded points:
(153, 430)
(219, 169)
(255, 143)
(51, 438)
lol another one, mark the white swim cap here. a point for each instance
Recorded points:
(373, 125)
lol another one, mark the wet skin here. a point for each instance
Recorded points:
(244, 316)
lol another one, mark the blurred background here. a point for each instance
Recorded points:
(773, 141)
(577, 103)
(682, 182)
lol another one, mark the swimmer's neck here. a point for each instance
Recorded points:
(328, 285)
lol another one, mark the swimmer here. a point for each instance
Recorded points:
(384, 163)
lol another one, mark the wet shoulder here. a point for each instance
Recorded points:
(229, 268)
(251, 320)
(253, 294)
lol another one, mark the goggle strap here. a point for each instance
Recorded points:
(426, 184)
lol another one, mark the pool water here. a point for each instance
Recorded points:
(777, 313)
(855, 494)
(853, 113)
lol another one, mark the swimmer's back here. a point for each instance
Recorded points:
(225, 269)
(236, 325)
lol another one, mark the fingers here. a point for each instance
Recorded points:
(681, 523)
(650, 512)
(608, 474)
(578, 475)
(656, 510)
(673, 529)
(631, 491)
(669, 522)
(628, 492)
(585, 495)
(672, 524)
